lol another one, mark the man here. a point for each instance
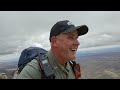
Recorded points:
(64, 44)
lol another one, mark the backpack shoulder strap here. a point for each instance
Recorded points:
(46, 69)
(76, 69)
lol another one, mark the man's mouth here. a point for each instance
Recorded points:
(73, 49)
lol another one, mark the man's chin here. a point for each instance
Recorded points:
(72, 58)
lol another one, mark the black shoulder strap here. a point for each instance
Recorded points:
(46, 69)
(76, 69)
(72, 63)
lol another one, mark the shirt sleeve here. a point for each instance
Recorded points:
(31, 71)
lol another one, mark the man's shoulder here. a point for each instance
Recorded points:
(30, 71)
(33, 63)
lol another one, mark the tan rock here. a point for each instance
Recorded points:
(3, 76)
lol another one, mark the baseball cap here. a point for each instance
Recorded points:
(66, 26)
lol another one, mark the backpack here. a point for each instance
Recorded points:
(40, 55)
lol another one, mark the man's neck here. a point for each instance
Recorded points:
(60, 59)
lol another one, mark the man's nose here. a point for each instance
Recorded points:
(76, 42)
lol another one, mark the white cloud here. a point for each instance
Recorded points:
(20, 29)
(98, 39)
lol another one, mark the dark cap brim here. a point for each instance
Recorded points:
(83, 29)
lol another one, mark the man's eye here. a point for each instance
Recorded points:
(70, 37)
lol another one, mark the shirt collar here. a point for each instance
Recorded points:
(56, 64)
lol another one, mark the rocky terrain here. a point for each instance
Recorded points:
(100, 65)
(95, 64)
(8, 68)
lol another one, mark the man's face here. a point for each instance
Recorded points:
(67, 45)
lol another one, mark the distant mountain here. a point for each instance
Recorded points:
(100, 63)
(97, 51)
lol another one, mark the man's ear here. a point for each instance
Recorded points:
(54, 41)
